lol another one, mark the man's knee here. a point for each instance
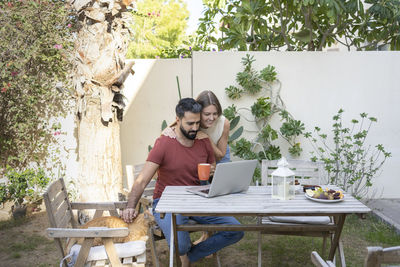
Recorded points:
(184, 247)
(238, 235)
(234, 236)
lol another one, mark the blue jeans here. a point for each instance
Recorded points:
(214, 243)
(227, 157)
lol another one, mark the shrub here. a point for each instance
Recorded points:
(351, 163)
(24, 185)
(34, 45)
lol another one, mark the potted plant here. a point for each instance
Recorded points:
(22, 187)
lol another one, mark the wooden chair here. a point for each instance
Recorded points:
(320, 262)
(310, 173)
(378, 255)
(306, 172)
(63, 225)
(146, 203)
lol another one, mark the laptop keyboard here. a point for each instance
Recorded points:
(205, 191)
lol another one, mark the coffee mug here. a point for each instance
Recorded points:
(203, 170)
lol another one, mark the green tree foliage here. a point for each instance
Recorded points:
(261, 25)
(159, 29)
(34, 44)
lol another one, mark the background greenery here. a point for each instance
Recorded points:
(260, 25)
(159, 29)
(34, 49)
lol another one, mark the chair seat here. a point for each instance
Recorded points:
(124, 250)
(297, 219)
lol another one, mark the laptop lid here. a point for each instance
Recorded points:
(230, 177)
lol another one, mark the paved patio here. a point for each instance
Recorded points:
(388, 210)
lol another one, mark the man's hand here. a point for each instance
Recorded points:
(212, 170)
(129, 214)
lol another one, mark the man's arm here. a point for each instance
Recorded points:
(149, 169)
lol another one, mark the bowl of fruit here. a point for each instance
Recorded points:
(324, 195)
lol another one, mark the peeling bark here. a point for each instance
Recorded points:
(99, 74)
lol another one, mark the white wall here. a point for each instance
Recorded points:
(153, 94)
(314, 86)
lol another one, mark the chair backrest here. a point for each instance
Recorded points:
(378, 255)
(136, 169)
(306, 172)
(59, 209)
(132, 171)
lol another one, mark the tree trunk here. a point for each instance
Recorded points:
(100, 171)
(99, 73)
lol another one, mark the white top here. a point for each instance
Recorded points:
(215, 131)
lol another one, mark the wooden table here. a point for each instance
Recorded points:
(256, 202)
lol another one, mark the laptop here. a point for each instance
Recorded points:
(229, 177)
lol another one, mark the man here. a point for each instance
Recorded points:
(176, 162)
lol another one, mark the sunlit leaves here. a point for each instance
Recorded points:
(260, 25)
(160, 31)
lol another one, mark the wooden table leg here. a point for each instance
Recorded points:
(335, 242)
(178, 261)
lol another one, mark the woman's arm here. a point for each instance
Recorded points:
(220, 147)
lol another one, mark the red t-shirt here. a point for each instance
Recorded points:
(178, 164)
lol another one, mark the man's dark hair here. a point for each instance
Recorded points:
(187, 105)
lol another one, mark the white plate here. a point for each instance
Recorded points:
(323, 200)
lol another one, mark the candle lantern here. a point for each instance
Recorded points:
(283, 184)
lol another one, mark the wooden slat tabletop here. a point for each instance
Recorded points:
(256, 201)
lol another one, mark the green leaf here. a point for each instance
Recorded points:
(236, 134)
(164, 125)
(268, 74)
(261, 109)
(234, 122)
(234, 92)
(304, 36)
(230, 112)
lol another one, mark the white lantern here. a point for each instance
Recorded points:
(283, 184)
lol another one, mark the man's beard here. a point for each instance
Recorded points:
(191, 135)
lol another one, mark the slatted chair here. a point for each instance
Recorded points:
(146, 203)
(63, 225)
(377, 256)
(320, 262)
(307, 173)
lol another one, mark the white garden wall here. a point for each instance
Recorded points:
(152, 94)
(314, 86)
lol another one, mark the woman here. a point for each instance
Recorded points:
(213, 125)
